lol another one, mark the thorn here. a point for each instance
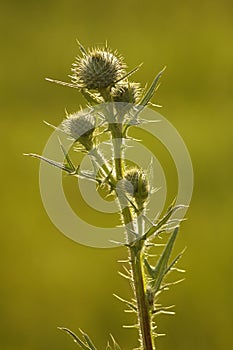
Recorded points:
(128, 303)
(123, 275)
(125, 268)
(129, 311)
(130, 326)
(81, 47)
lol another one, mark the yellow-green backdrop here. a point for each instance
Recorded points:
(46, 279)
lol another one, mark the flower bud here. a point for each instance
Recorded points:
(80, 127)
(98, 69)
(136, 185)
(127, 92)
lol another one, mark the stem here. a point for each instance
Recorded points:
(135, 251)
(143, 312)
(116, 131)
(144, 316)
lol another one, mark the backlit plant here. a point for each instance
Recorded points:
(101, 77)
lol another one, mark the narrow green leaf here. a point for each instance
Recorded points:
(150, 92)
(76, 338)
(149, 268)
(161, 222)
(52, 162)
(88, 340)
(162, 264)
(175, 261)
(67, 157)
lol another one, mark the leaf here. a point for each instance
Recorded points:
(149, 268)
(150, 92)
(76, 338)
(52, 162)
(175, 261)
(67, 157)
(71, 170)
(88, 341)
(161, 222)
(160, 269)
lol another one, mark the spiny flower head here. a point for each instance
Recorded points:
(98, 69)
(137, 185)
(80, 127)
(127, 92)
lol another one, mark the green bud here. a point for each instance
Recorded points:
(128, 92)
(137, 185)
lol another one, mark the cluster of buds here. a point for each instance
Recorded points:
(100, 74)
(101, 70)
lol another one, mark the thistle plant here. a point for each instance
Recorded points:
(114, 106)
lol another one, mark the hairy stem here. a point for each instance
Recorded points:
(135, 251)
(144, 317)
(116, 131)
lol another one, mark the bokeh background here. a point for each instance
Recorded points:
(46, 279)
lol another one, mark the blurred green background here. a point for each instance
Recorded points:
(46, 279)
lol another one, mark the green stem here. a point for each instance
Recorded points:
(135, 250)
(136, 261)
(144, 316)
(117, 158)
(116, 131)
